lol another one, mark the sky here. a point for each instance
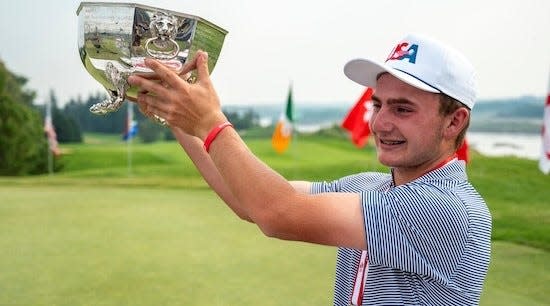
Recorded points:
(272, 44)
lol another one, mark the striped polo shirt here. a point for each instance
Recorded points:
(428, 241)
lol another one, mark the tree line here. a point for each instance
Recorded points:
(23, 145)
(75, 118)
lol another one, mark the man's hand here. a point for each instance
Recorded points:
(194, 108)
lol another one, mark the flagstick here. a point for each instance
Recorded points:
(293, 149)
(130, 118)
(290, 108)
(50, 153)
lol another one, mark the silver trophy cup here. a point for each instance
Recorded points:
(115, 38)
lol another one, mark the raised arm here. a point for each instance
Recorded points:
(277, 207)
(193, 146)
(202, 161)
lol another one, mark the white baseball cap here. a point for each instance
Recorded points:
(424, 63)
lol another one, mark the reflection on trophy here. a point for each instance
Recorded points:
(115, 38)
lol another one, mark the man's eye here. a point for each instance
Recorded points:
(403, 110)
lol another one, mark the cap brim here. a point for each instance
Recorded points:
(366, 72)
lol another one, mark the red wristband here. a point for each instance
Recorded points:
(213, 133)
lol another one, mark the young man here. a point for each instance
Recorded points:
(419, 235)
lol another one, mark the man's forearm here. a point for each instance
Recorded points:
(193, 147)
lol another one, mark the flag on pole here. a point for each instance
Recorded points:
(131, 128)
(129, 132)
(357, 120)
(49, 129)
(283, 130)
(544, 162)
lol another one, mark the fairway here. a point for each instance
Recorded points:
(114, 246)
(117, 246)
(96, 234)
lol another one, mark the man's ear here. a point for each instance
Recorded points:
(456, 122)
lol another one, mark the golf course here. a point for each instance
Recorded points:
(137, 225)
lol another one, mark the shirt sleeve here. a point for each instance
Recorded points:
(416, 230)
(351, 183)
(322, 187)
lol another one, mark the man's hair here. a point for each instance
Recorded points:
(448, 106)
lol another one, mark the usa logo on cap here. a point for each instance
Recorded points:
(403, 51)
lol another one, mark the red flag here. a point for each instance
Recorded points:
(544, 161)
(462, 152)
(357, 120)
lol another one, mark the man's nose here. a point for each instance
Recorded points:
(380, 121)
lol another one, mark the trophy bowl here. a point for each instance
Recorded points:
(115, 38)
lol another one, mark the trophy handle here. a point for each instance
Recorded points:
(162, 55)
(119, 79)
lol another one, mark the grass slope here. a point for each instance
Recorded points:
(112, 246)
(99, 235)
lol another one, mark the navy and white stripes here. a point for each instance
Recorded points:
(428, 240)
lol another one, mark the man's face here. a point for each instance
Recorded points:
(406, 124)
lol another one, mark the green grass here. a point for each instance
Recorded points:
(96, 234)
(518, 275)
(112, 246)
(518, 195)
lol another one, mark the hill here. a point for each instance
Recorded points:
(509, 115)
(513, 115)
(104, 233)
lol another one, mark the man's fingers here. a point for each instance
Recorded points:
(150, 105)
(146, 85)
(164, 73)
(147, 75)
(199, 63)
(143, 109)
(189, 66)
(202, 66)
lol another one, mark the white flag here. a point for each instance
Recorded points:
(49, 129)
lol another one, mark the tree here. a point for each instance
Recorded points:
(23, 146)
(66, 127)
(243, 120)
(150, 131)
(112, 123)
(14, 86)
